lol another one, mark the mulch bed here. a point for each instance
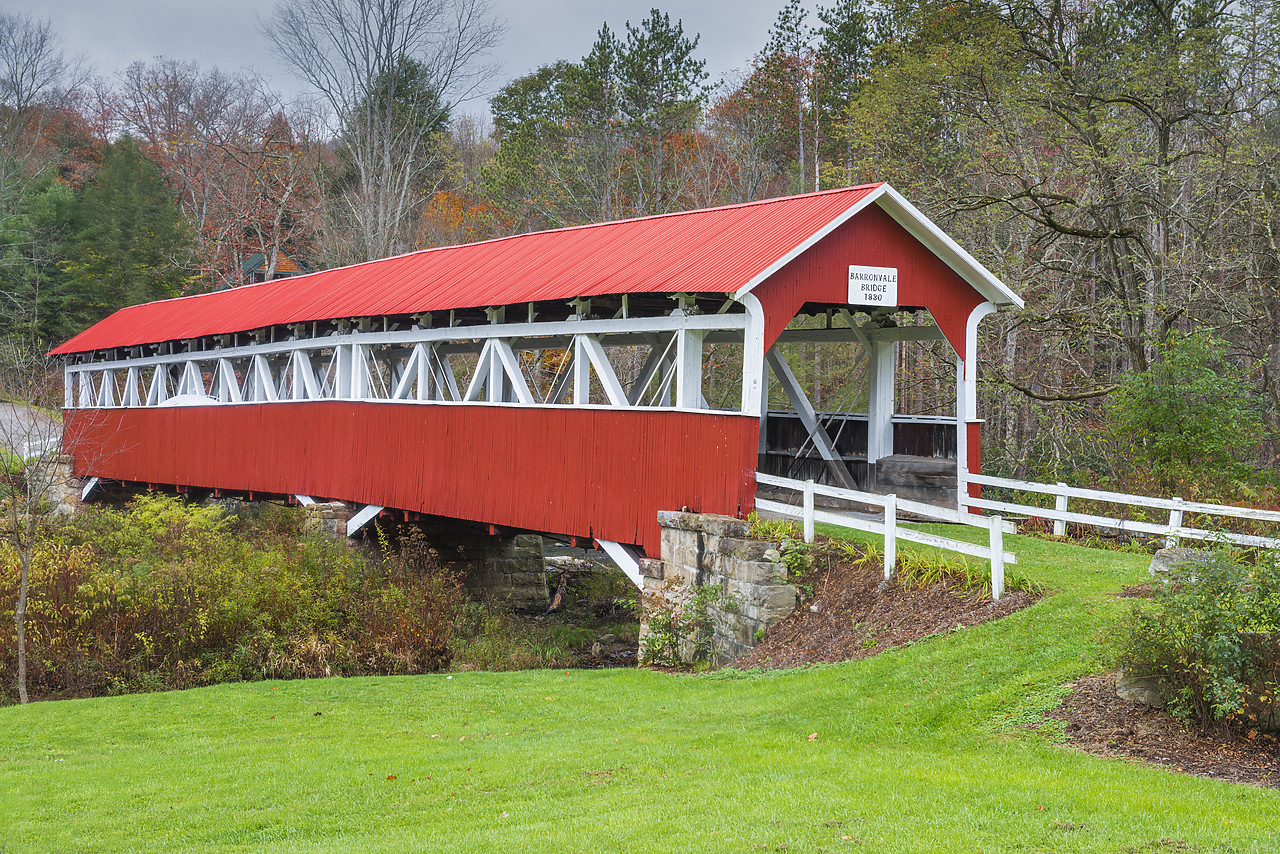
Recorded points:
(854, 614)
(1099, 722)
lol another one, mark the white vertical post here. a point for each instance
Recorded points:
(882, 365)
(967, 398)
(423, 367)
(342, 382)
(131, 397)
(68, 387)
(755, 376)
(808, 511)
(1060, 505)
(890, 535)
(1175, 521)
(689, 368)
(496, 385)
(297, 389)
(359, 372)
(997, 556)
(581, 372)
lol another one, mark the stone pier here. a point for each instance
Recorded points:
(710, 563)
(52, 480)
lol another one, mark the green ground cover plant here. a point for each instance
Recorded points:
(937, 747)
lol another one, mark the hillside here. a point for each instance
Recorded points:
(922, 748)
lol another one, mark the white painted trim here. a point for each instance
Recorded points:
(510, 331)
(305, 500)
(754, 372)
(882, 369)
(88, 487)
(506, 359)
(364, 517)
(689, 369)
(927, 232)
(591, 347)
(625, 558)
(920, 227)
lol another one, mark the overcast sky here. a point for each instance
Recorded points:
(114, 33)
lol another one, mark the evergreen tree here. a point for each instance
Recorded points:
(130, 243)
(661, 94)
(31, 282)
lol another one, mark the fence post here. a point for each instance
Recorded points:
(808, 511)
(1175, 521)
(997, 556)
(890, 535)
(1060, 505)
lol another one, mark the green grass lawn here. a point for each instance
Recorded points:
(920, 749)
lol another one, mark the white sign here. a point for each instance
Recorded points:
(873, 285)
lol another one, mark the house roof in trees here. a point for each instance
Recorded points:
(285, 263)
(727, 250)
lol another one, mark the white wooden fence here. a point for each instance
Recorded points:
(1172, 531)
(995, 526)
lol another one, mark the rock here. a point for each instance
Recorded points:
(1139, 689)
(607, 639)
(651, 568)
(1165, 561)
(772, 555)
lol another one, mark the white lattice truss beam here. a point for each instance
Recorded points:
(419, 365)
(422, 364)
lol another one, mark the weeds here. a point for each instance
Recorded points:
(680, 632)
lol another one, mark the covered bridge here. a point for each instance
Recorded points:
(555, 382)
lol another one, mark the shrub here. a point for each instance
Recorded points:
(1191, 416)
(166, 594)
(1193, 636)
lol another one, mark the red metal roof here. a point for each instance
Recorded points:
(704, 251)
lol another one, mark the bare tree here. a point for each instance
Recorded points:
(390, 70)
(35, 80)
(33, 477)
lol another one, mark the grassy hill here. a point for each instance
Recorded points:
(921, 749)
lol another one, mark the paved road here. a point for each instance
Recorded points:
(27, 431)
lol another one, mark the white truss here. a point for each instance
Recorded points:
(421, 365)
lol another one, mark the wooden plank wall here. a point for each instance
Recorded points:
(600, 473)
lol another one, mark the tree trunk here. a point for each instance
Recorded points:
(20, 623)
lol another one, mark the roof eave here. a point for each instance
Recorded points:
(965, 265)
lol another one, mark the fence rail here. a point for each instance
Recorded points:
(1173, 530)
(889, 528)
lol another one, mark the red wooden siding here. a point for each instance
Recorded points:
(974, 440)
(874, 238)
(585, 472)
